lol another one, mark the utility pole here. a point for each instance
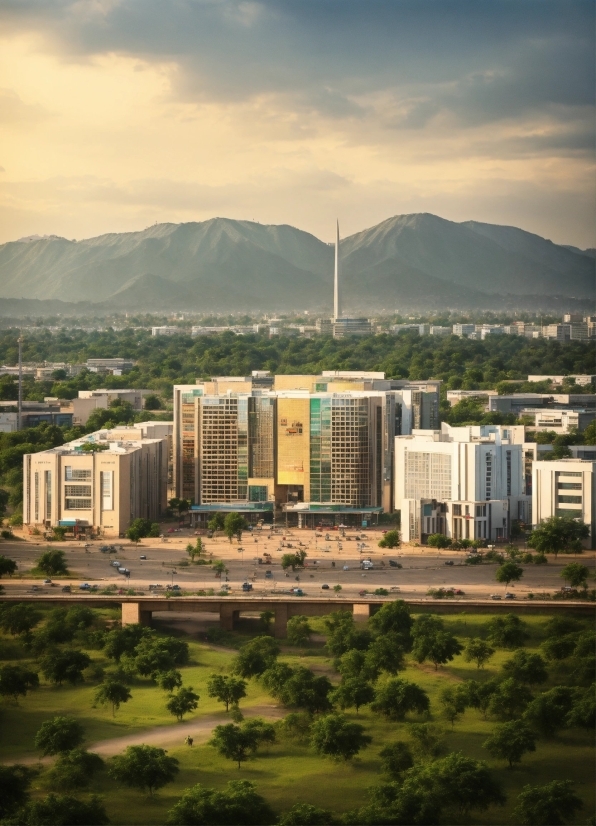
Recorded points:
(20, 407)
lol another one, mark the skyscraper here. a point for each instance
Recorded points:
(336, 300)
(343, 327)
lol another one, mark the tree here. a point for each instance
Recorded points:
(439, 647)
(16, 681)
(169, 680)
(196, 549)
(112, 693)
(18, 618)
(343, 634)
(298, 687)
(237, 743)
(396, 758)
(66, 664)
(14, 788)
(394, 618)
(390, 540)
(155, 654)
(255, 657)
(507, 632)
(238, 802)
(583, 711)
(124, 640)
(509, 699)
(64, 810)
(355, 663)
(526, 668)
(303, 814)
(140, 528)
(144, 767)
(183, 702)
(550, 805)
(353, 692)
(481, 694)
(453, 702)
(576, 575)
(478, 651)
(438, 540)
(428, 740)
(293, 561)
(52, 563)
(216, 523)
(547, 712)
(180, 505)
(462, 783)
(298, 630)
(266, 618)
(510, 741)
(334, 736)
(234, 524)
(219, 567)
(59, 735)
(227, 690)
(396, 698)
(7, 566)
(509, 572)
(74, 770)
(386, 654)
(559, 534)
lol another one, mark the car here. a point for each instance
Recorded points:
(47, 582)
(346, 568)
(66, 589)
(394, 588)
(246, 586)
(268, 574)
(508, 595)
(298, 592)
(84, 586)
(115, 564)
(34, 588)
(362, 593)
(142, 556)
(325, 587)
(155, 587)
(449, 562)
(394, 564)
(458, 592)
(495, 596)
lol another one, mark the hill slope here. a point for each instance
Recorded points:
(222, 264)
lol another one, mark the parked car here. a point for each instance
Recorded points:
(268, 574)
(509, 595)
(47, 582)
(346, 568)
(449, 562)
(325, 587)
(394, 564)
(495, 596)
(142, 556)
(173, 588)
(246, 586)
(66, 589)
(84, 586)
(155, 587)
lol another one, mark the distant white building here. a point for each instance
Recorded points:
(560, 421)
(565, 487)
(165, 331)
(463, 329)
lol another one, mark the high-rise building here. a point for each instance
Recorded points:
(565, 487)
(341, 326)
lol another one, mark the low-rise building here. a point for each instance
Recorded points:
(565, 487)
(98, 484)
(463, 329)
(577, 378)
(559, 421)
(166, 331)
(116, 366)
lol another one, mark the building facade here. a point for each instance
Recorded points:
(566, 487)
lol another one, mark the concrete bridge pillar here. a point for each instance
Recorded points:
(280, 628)
(133, 615)
(227, 617)
(361, 611)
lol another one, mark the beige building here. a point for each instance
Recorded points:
(565, 487)
(101, 490)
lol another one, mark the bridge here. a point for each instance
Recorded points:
(139, 609)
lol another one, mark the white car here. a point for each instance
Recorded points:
(346, 568)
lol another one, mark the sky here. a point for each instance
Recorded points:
(116, 114)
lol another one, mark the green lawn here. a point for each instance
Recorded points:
(288, 772)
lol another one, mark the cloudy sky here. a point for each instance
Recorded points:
(115, 114)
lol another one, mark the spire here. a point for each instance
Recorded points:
(336, 301)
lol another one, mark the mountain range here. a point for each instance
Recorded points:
(224, 265)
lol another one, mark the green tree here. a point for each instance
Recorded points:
(52, 563)
(219, 567)
(453, 701)
(394, 618)
(510, 741)
(196, 549)
(255, 657)
(183, 702)
(237, 743)
(509, 572)
(234, 524)
(18, 618)
(124, 640)
(547, 712)
(353, 692)
(16, 681)
(390, 540)
(298, 630)
(74, 770)
(238, 802)
(180, 505)
(334, 736)
(303, 814)
(526, 668)
(64, 810)
(169, 680)
(396, 758)
(112, 693)
(152, 402)
(583, 711)
(228, 690)
(559, 534)
(293, 560)
(385, 654)
(14, 788)
(553, 804)
(343, 634)
(438, 540)
(478, 651)
(144, 767)
(428, 740)
(298, 687)
(266, 618)
(59, 735)
(438, 646)
(464, 784)
(396, 698)
(66, 664)
(509, 699)
(355, 663)
(7, 566)
(140, 528)
(507, 632)
(156, 654)
(576, 575)
(216, 523)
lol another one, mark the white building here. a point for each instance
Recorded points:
(560, 421)
(166, 331)
(463, 329)
(464, 482)
(565, 487)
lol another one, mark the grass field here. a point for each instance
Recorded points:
(287, 772)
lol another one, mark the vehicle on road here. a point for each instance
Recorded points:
(346, 568)
(247, 586)
(394, 588)
(173, 588)
(268, 574)
(509, 595)
(449, 562)
(84, 586)
(142, 556)
(367, 565)
(115, 564)
(156, 587)
(325, 587)
(495, 596)
(47, 582)
(66, 589)
(298, 592)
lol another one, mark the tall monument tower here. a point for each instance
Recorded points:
(336, 301)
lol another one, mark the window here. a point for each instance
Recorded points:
(106, 482)
(569, 473)
(78, 505)
(36, 500)
(76, 474)
(480, 510)
(571, 500)
(48, 481)
(77, 490)
(457, 510)
(570, 485)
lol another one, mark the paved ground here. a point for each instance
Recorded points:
(422, 569)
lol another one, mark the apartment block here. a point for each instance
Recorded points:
(166, 331)
(464, 482)
(519, 402)
(560, 421)
(98, 484)
(565, 487)
(116, 366)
